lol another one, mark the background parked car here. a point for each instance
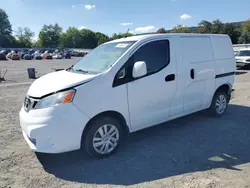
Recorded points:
(28, 57)
(38, 57)
(15, 56)
(47, 56)
(22, 54)
(37, 53)
(9, 55)
(16, 51)
(41, 51)
(2, 56)
(31, 51)
(67, 55)
(78, 54)
(57, 56)
(5, 52)
(49, 52)
(242, 57)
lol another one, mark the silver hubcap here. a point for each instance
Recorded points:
(221, 104)
(105, 139)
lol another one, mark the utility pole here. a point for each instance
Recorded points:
(128, 30)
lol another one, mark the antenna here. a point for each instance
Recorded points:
(127, 33)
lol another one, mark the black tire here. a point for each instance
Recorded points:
(87, 140)
(247, 67)
(214, 109)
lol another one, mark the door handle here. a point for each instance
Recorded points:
(192, 73)
(170, 77)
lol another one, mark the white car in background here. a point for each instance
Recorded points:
(57, 56)
(9, 55)
(242, 57)
(37, 53)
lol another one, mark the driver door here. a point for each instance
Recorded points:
(150, 96)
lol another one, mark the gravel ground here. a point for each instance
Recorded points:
(194, 151)
(17, 70)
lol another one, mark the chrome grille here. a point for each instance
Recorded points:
(29, 103)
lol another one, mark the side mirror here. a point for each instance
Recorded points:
(139, 69)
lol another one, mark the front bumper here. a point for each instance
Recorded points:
(232, 95)
(53, 130)
(242, 64)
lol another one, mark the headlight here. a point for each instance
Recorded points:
(56, 99)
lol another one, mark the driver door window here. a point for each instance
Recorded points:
(155, 54)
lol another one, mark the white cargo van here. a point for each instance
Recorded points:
(126, 85)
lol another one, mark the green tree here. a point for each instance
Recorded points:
(101, 38)
(9, 42)
(180, 29)
(50, 36)
(233, 32)
(37, 44)
(71, 38)
(245, 35)
(161, 30)
(246, 27)
(205, 27)
(217, 27)
(84, 38)
(243, 39)
(5, 29)
(12, 42)
(88, 39)
(121, 35)
(5, 26)
(24, 37)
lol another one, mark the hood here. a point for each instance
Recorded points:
(242, 58)
(56, 81)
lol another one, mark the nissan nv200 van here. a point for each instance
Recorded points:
(127, 85)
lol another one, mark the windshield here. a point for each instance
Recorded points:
(243, 53)
(102, 57)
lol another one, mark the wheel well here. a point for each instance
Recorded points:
(118, 116)
(225, 87)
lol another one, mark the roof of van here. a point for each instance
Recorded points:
(139, 37)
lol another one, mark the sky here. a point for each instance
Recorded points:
(113, 16)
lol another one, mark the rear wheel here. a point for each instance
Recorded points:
(219, 103)
(103, 137)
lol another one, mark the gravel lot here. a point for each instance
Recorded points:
(17, 70)
(194, 151)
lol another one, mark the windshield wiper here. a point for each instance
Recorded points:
(70, 68)
(80, 70)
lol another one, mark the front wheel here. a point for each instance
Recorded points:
(103, 137)
(219, 103)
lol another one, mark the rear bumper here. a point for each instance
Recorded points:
(53, 130)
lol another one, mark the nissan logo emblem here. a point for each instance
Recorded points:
(26, 104)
